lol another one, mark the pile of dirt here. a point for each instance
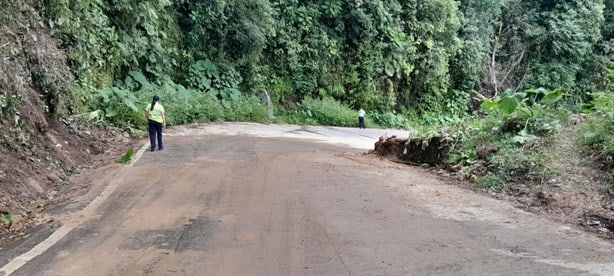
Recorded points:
(432, 151)
(41, 147)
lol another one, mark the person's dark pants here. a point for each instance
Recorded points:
(361, 122)
(155, 131)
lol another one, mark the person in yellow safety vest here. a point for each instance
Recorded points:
(156, 121)
(361, 118)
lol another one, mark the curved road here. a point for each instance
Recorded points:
(249, 199)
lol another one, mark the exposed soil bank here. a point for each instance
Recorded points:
(574, 195)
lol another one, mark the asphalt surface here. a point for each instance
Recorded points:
(249, 199)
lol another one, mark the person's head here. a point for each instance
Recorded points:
(154, 101)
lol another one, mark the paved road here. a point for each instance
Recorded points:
(248, 199)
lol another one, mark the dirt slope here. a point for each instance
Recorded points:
(40, 146)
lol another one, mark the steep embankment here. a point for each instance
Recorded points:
(39, 145)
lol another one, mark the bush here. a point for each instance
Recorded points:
(491, 181)
(122, 108)
(326, 111)
(598, 130)
(188, 105)
(185, 106)
(117, 106)
(598, 134)
(518, 165)
(246, 108)
(518, 127)
(390, 120)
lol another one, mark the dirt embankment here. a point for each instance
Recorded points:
(573, 194)
(40, 147)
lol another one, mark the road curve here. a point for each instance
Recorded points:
(249, 199)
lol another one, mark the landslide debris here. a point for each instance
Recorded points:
(432, 151)
(41, 145)
(571, 194)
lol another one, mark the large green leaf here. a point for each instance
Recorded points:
(230, 94)
(140, 78)
(508, 104)
(552, 97)
(489, 104)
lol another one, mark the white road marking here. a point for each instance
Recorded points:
(24, 258)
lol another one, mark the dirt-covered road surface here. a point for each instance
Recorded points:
(249, 199)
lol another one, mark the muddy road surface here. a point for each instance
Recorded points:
(247, 199)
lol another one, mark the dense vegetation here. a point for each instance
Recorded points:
(507, 72)
(598, 133)
(414, 57)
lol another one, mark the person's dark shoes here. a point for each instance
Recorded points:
(160, 148)
(152, 149)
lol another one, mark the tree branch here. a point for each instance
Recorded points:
(524, 76)
(493, 61)
(509, 71)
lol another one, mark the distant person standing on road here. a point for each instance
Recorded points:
(361, 118)
(156, 121)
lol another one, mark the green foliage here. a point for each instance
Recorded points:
(192, 106)
(390, 120)
(597, 135)
(245, 108)
(202, 74)
(530, 112)
(126, 158)
(184, 105)
(228, 31)
(102, 44)
(572, 29)
(543, 44)
(451, 108)
(476, 32)
(414, 57)
(519, 165)
(599, 128)
(322, 112)
(187, 106)
(118, 106)
(491, 181)
(518, 125)
(377, 55)
(9, 104)
(6, 219)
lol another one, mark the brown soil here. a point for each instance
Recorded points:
(41, 147)
(30, 186)
(432, 152)
(573, 194)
